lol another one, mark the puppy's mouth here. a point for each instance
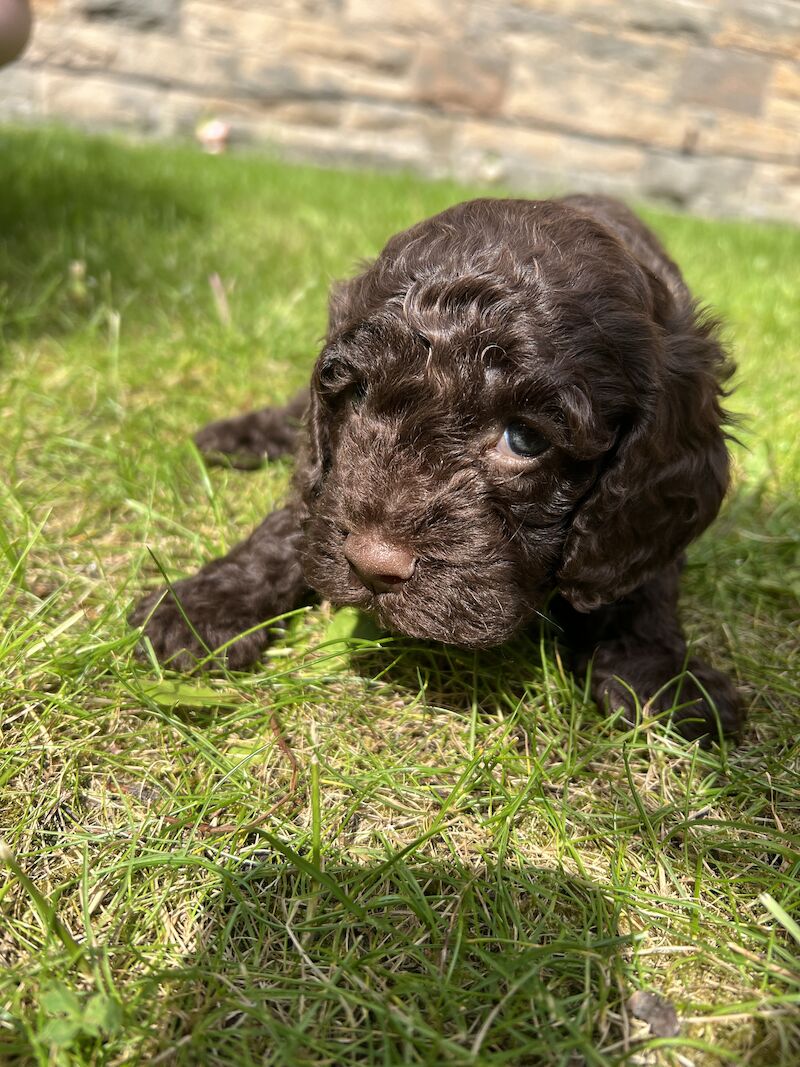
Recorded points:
(434, 602)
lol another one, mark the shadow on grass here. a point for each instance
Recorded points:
(418, 963)
(80, 216)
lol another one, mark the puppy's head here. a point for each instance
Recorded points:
(508, 403)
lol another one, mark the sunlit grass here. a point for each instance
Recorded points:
(363, 851)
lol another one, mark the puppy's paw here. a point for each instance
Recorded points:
(701, 701)
(181, 644)
(247, 441)
(225, 443)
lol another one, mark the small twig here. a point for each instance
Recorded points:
(754, 958)
(220, 298)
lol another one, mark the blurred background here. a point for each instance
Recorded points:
(693, 103)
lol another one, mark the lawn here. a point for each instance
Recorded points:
(366, 850)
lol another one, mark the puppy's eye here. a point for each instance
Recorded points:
(521, 440)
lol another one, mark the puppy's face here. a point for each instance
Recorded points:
(462, 415)
(451, 478)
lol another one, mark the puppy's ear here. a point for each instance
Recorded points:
(667, 478)
(312, 467)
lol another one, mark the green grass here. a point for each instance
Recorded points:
(366, 852)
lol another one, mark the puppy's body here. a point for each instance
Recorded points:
(516, 411)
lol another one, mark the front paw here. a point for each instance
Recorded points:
(199, 630)
(247, 441)
(228, 443)
(701, 701)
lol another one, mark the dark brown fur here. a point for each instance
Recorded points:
(566, 314)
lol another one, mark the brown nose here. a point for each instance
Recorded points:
(381, 565)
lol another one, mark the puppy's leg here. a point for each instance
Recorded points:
(258, 580)
(638, 653)
(247, 440)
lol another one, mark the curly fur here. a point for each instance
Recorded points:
(566, 314)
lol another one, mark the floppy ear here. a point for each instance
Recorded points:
(316, 447)
(667, 477)
(314, 451)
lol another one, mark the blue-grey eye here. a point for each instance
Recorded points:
(520, 439)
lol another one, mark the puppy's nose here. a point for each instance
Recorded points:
(381, 565)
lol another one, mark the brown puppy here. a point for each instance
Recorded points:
(516, 411)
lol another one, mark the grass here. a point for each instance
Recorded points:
(366, 851)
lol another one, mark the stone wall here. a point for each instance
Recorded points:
(696, 102)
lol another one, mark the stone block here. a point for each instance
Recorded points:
(591, 90)
(140, 14)
(723, 80)
(743, 137)
(432, 132)
(170, 61)
(773, 192)
(385, 52)
(74, 45)
(687, 19)
(102, 102)
(317, 113)
(165, 59)
(771, 27)
(448, 75)
(215, 24)
(21, 92)
(425, 18)
(785, 81)
(542, 160)
(274, 78)
(360, 148)
(708, 185)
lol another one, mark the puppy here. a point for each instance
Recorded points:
(516, 412)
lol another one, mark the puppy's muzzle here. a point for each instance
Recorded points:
(381, 565)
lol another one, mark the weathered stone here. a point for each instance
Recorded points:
(364, 147)
(768, 26)
(673, 17)
(420, 16)
(584, 94)
(386, 53)
(774, 192)
(740, 136)
(21, 95)
(695, 101)
(318, 114)
(542, 161)
(282, 78)
(785, 81)
(166, 60)
(693, 19)
(694, 183)
(103, 102)
(728, 81)
(211, 22)
(448, 75)
(432, 132)
(142, 14)
(73, 45)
